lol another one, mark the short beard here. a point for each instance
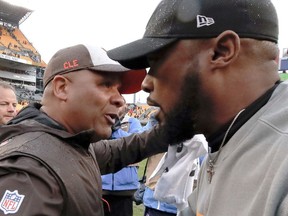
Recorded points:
(180, 122)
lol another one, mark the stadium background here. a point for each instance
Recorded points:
(21, 64)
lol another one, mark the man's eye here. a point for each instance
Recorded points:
(108, 84)
(152, 60)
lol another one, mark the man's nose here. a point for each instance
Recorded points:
(118, 99)
(11, 108)
(147, 84)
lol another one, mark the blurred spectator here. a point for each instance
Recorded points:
(118, 188)
(172, 176)
(8, 102)
(154, 207)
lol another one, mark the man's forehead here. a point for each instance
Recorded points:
(163, 51)
(6, 91)
(109, 75)
(101, 74)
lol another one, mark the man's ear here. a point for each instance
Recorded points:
(60, 83)
(226, 49)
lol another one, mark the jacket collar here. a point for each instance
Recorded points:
(32, 119)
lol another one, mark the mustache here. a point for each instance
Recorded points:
(152, 102)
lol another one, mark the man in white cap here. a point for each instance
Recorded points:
(47, 165)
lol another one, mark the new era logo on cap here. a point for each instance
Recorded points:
(204, 21)
(175, 20)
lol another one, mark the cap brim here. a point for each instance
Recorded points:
(132, 81)
(134, 54)
(116, 67)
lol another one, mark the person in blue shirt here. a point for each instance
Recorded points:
(118, 188)
(152, 206)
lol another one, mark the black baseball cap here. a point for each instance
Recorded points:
(86, 56)
(173, 20)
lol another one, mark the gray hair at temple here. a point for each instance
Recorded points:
(6, 85)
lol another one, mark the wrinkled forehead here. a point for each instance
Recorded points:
(83, 73)
(113, 77)
(128, 81)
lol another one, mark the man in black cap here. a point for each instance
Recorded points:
(214, 71)
(47, 165)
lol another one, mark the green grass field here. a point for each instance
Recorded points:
(284, 76)
(138, 210)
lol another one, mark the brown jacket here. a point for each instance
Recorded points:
(59, 173)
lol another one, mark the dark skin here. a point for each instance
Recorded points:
(84, 100)
(228, 73)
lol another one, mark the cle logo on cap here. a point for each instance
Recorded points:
(70, 64)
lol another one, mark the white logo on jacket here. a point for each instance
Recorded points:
(11, 202)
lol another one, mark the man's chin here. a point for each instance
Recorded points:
(103, 134)
(6, 120)
(175, 135)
